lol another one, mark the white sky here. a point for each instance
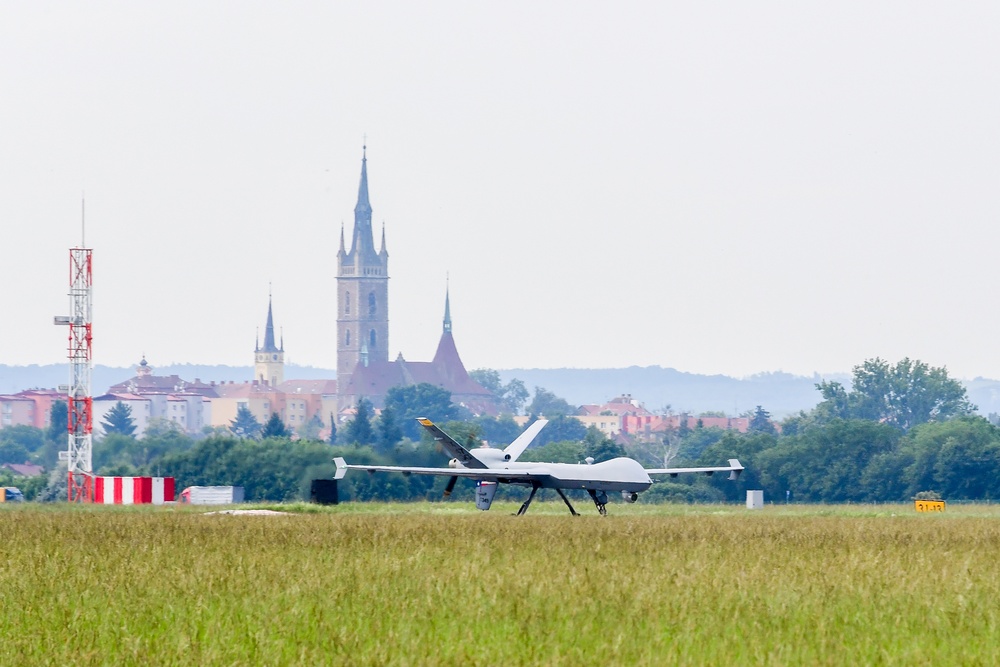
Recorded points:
(720, 187)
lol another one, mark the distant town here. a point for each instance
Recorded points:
(619, 410)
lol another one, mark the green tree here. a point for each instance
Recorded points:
(12, 451)
(20, 443)
(274, 428)
(683, 430)
(959, 458)
(904, 395)
(271, 469)
(119, 420)
(760, 422)
(498, 431)
(749, 449)
(420, 400)
(333, 429)
(548, 404)
(564, 451)
(116, 449)
(560, 428)
(59, 422)
(510, 397)
(359, 430)
(388, 431)
(824, 463)
(697, 441)
(600, 447)
(245, 425)
(310, 430)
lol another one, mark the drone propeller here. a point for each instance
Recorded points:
(451, 486)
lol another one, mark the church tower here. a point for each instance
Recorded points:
(269, 362)
(362, 292)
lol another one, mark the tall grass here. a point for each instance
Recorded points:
(401, 587)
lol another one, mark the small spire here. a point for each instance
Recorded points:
(447, 305)
(382, 251)
(363, 207)
(269, 328)
(343, 248)
(282, 347)
(256, 338)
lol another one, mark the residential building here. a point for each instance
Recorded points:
(151, 397)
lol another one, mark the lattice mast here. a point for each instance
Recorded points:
(80, 402)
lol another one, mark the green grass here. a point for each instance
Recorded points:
(440, 583)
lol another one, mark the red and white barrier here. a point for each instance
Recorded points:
(133, 490)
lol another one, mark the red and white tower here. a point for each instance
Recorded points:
(79, 453)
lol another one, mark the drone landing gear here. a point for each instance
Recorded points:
(601, 500)
(566, 500)
(524, 507)
(534, 490)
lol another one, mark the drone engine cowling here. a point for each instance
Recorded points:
(630, 496)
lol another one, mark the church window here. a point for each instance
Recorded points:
(347, 303)
(371, 339)
(347, 339)
(372, 304)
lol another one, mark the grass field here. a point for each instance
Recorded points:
(444, 584)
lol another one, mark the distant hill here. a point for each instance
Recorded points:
(781, 394)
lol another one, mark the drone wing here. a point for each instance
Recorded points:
(451, 445)
(498, 474)
(734, 469)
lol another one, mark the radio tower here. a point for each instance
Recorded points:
(80, 403)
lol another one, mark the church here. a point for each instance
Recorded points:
(363, 366)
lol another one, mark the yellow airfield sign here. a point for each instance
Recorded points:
(929, 505)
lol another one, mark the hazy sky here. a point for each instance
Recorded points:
(720, 187)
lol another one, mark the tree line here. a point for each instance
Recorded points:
(897, 431)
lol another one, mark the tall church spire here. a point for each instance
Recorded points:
(363, 208)
(363, 243)
(269, 345)
(362, 299)
(447, 308)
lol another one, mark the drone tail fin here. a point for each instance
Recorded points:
(517, 447)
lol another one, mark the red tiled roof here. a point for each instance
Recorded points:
(120, 396)
(445, 371)
(24, 469)
(326, 387)
(162, 384)
(243, 390)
